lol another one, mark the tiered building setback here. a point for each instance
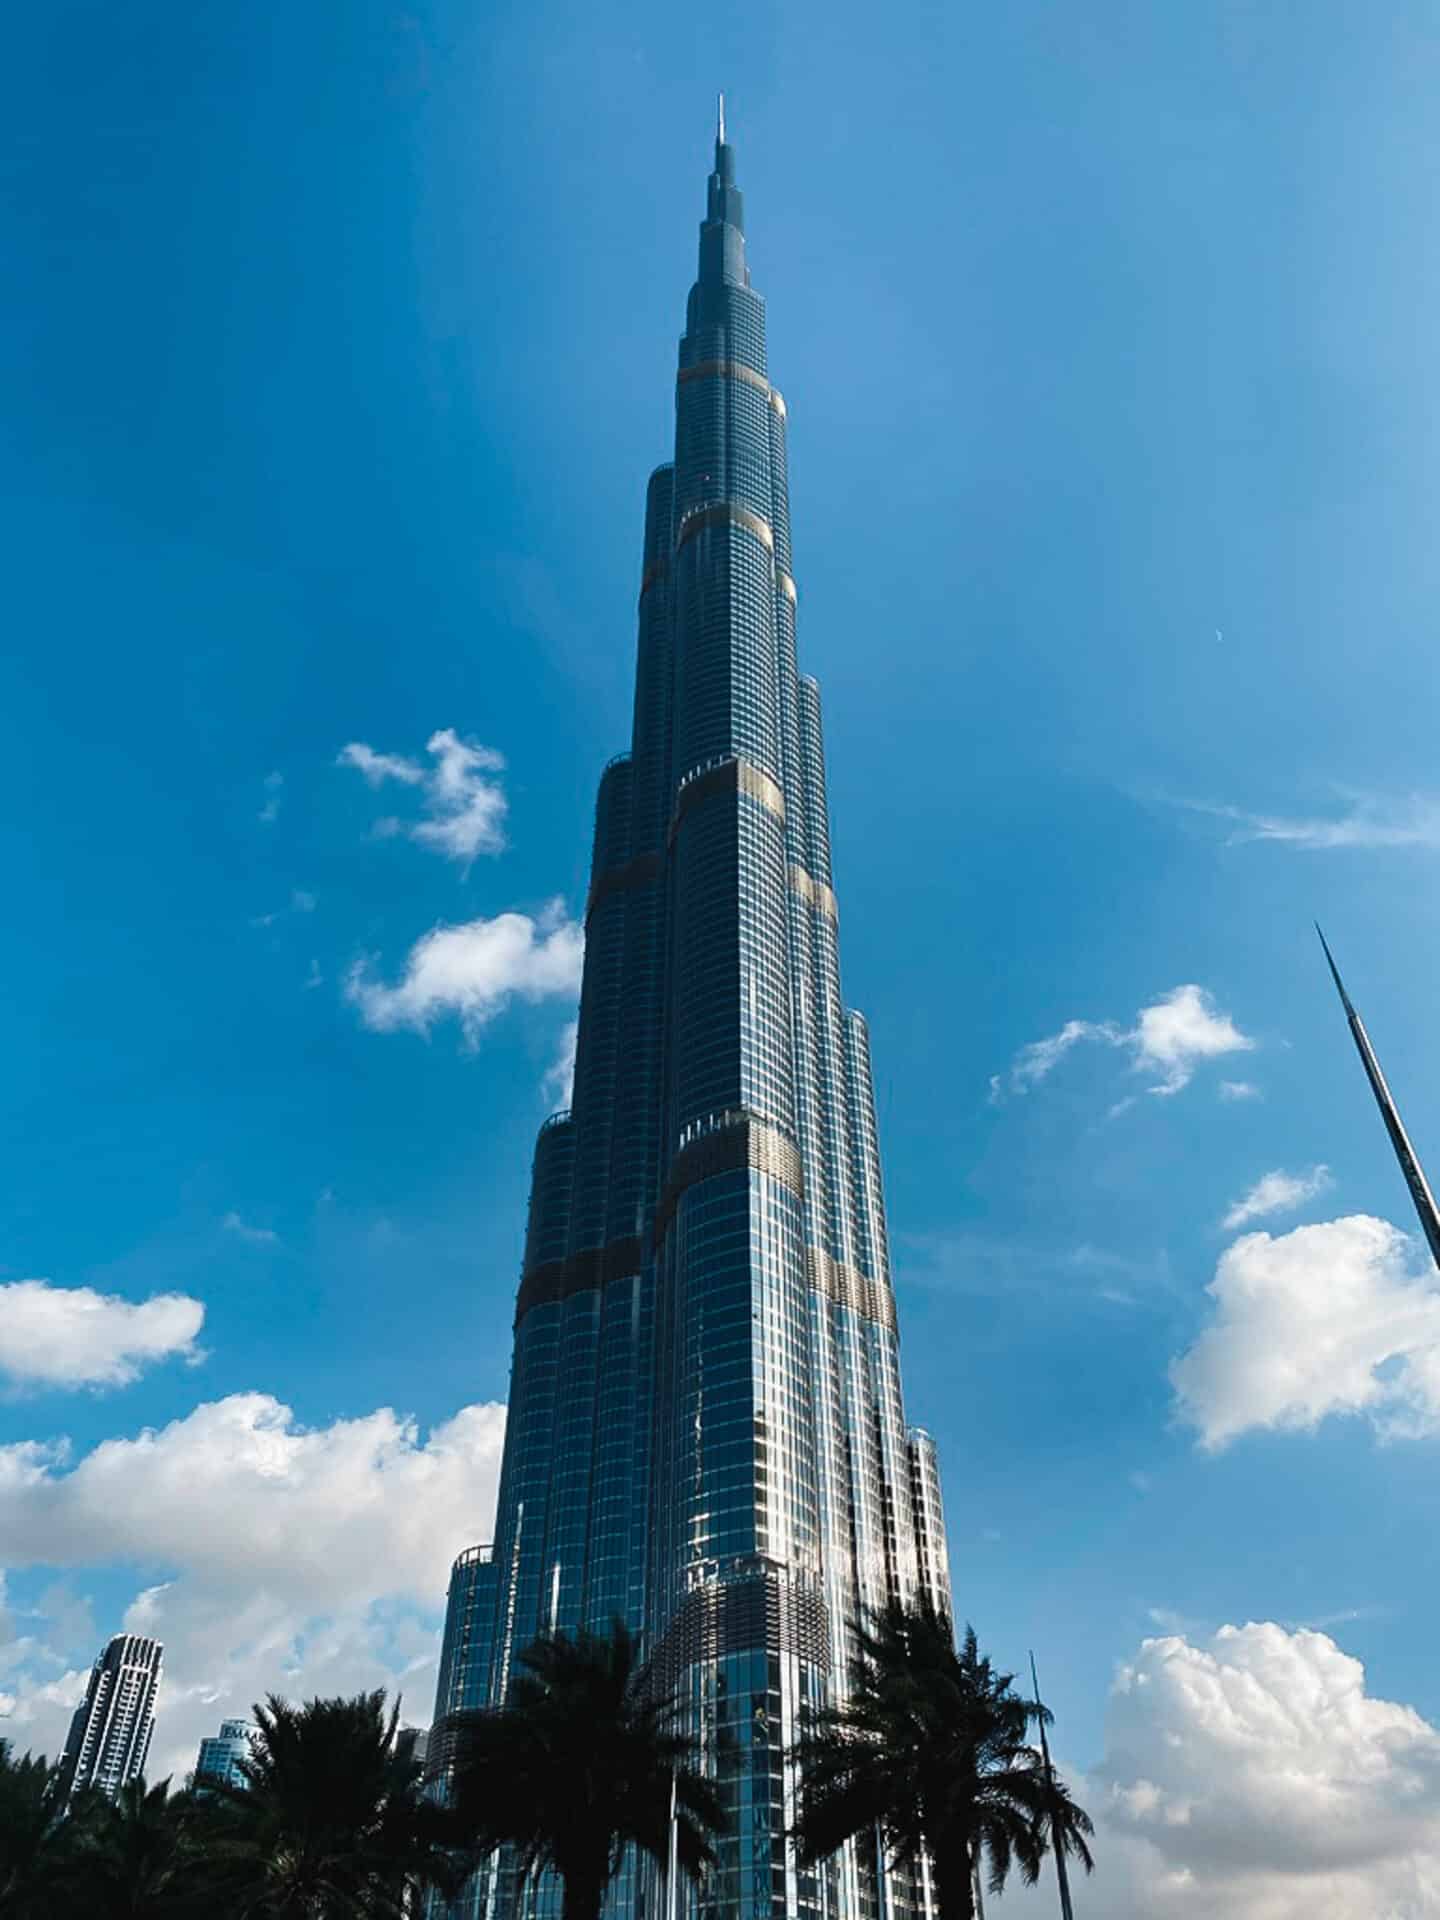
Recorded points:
(706, 1433)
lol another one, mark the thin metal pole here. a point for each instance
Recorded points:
(1067, 1912)
(672, 1862)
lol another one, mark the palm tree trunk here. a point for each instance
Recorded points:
(954, 1882)
(584, 1895)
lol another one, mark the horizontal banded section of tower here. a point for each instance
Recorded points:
(707, 1434)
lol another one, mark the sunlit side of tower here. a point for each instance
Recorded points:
(109, 1740)
(706, 1434)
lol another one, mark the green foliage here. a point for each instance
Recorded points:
(930, 1752)
(33, 1836)
(578, 1766)
(142, 1856)
(333, 1823)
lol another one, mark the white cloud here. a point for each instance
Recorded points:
(1183, 1028)
(270, 812)
(256, 1236)
(1041, 1057)
(559, 1082)
(380, 767)
(74, 1337)
(1250, 1776)
(1170, 1038)
(1412, 820)
(1277, 1192)
(466, 810)
(267, 1555)
(1239, 1090)
(1326, 1319)
(473, 971)
(300, 902)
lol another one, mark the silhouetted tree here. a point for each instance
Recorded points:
(34, 1839)
(333, 1823)
(578, 1766)
(141, 1856)
(930, 1752)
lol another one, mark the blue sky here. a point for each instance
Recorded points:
(341, 346)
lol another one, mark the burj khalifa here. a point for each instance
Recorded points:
(706, 1430)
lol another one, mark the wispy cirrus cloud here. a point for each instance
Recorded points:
(270, 812)
(465, 810)
(1277, 1192)
(252, 1235)
(974, 1265)
(1170, 1038)
(1369, 820)
(301, 901)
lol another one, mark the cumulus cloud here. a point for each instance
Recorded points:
(1326, 1319)
(1277, 1192)
(74, 1337)
(473, 971)
(267, 1554)
(1238, 1090)
(1169, 1038)
(1371, 820)
(465, 811)
(1250, 1776)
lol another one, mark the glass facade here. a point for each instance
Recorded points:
(222, 1756)
(706, 1433)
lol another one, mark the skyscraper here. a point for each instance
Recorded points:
(109, 1740)
(221, 1755)
(706, 1435)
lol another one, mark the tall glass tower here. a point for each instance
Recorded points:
(706, 1435)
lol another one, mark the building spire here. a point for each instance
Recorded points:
(722, 236)
(1415, 1180)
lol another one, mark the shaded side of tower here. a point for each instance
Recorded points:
(706, 1433)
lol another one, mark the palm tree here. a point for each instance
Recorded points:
(581, 1763)
(930, 1754)
(139, 1856)
(333, 1822)
(33, 1835)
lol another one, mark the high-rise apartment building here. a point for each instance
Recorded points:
(221, 1756)
(706, 1435)
(109, 1740)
